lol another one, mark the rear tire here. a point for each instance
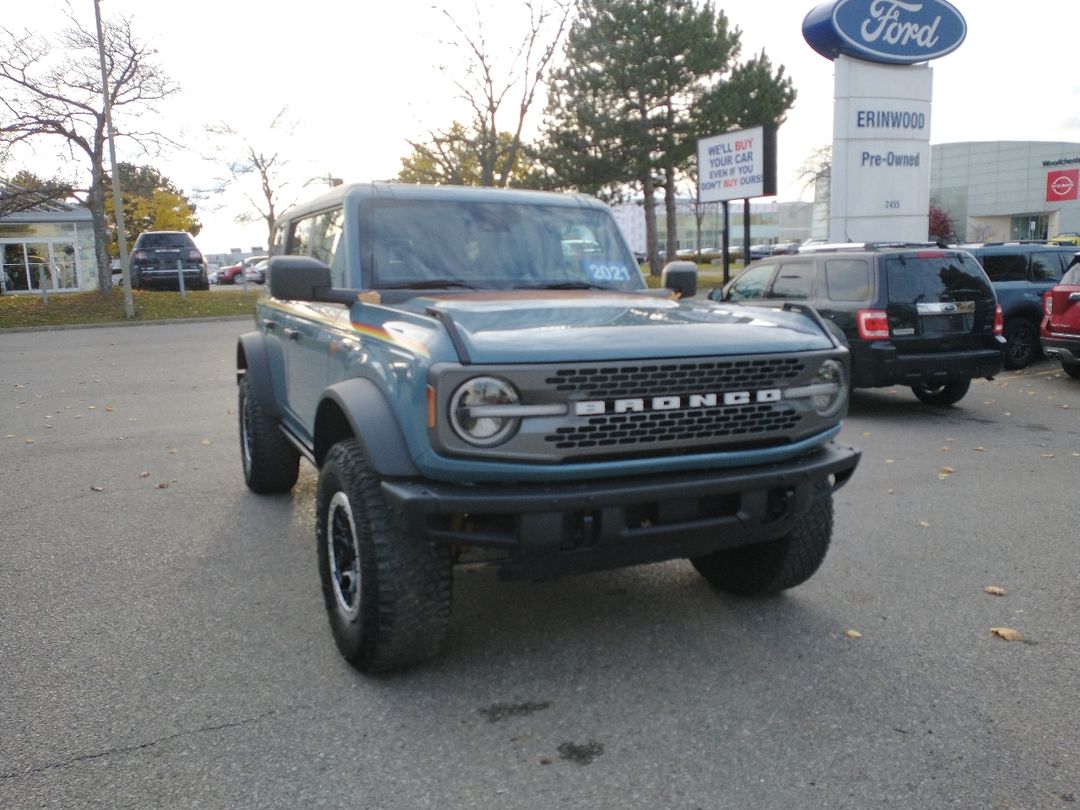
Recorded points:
(387, 593)
(1072, 369)
(1021, 343)
(944, 394)
(271, 464)
(775, 565)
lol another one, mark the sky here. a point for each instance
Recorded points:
(361, 79)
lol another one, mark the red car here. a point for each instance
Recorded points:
(234, 273)
(1060, 328)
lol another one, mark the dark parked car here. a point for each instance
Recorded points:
(916, 316)
(1060, 328)
(158, 258)
(1021, 273)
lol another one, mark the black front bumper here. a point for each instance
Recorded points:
(551, 529)
(876, 365)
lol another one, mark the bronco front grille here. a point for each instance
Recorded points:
(636, 409)
(692, 427)
(603, 382)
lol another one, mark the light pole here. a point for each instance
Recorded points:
(118, 203)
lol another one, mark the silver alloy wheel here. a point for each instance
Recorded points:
(245, 438)
(343, 554)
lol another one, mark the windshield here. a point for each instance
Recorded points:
(431, 244)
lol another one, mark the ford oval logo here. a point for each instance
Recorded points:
(897, 32)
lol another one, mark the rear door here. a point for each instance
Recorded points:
(938, 301)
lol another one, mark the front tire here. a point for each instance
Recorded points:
(944, 394)
(387, 593)
(1021, 343)
(271, 464)
(1072, 369)
(774, 565)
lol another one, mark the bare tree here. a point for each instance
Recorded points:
(489, 89)
(817, 168)
(58, 94)
(259, 170)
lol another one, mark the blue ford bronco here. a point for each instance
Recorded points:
(484, 374)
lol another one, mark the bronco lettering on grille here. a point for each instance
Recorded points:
(668, 403)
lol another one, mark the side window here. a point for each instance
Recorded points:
(1047, 266)
(847, 279)
(1005, 266)
(750, 284)
(795, 281)
(326, 244)
(299, 241)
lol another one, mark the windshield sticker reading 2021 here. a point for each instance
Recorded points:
(606, 272)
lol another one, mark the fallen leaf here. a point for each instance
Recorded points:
(97, 488)
(1007, 413)
(979, 449)
(853, 634)
(867, 435)
(144, 474)
(109, 408)
(29, 441)
(1047, 455)
(924, 524)
(1006, 633)
(163, 485)
(890, 461)
(944, 449)
(1065, 406)
(994, 590)
(92, 408)
(173, 451)
(10, 436)
(891, 491)
(205, 442)
(947, 470)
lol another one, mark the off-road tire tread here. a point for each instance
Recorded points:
(275, 463)
(405, 581)
(774, 565)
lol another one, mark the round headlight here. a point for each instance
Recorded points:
(474, 411)
(831, 380)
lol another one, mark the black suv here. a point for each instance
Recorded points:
(1021, 272)
(925, 317)
(158, 258)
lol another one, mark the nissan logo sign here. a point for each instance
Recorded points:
(1062, 185)
(897, 32)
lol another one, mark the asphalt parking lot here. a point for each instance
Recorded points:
(163, 641)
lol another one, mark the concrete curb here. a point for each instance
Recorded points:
(109, 324)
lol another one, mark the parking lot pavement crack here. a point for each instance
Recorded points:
(128, 749)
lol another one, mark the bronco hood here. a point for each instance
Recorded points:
(563, 326)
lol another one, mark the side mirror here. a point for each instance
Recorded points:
(302, 278)
(680, 277)
(716, 294)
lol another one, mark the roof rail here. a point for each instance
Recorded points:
(839, 247)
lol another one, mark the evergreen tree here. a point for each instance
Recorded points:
(641, 82)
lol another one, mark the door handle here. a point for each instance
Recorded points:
(292, 334)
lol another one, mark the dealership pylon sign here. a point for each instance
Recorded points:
(880, 180)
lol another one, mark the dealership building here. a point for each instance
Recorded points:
(1006, 190)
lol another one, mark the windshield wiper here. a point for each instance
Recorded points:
(428, 284)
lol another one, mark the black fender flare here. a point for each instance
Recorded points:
(253, 362)
(371, 421)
